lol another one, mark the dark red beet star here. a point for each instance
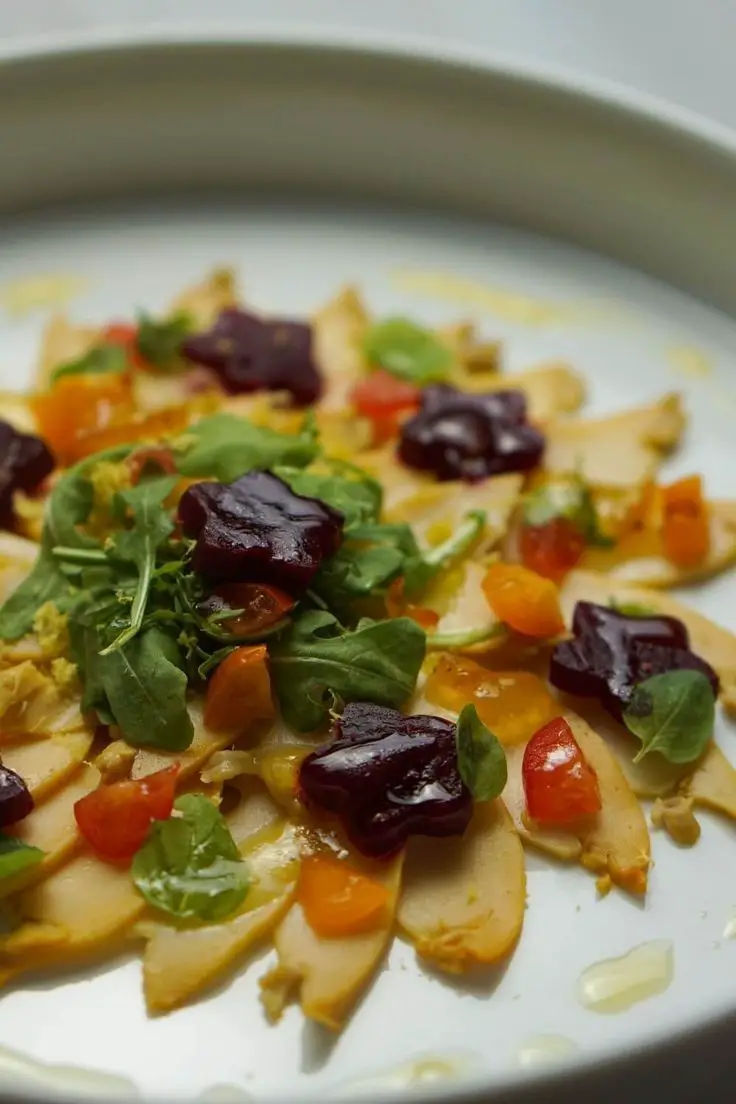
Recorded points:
(25, 461)
(254, 354)
(387, 777)
(460, 436)
(257, 530)
(613, 653)
(15, 799)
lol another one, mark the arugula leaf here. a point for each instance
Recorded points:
(407, 351)
(159, 340)
(673, 714)
(72, 500)
(190, 866)
(84, 642)
(100, 360)
(566, 497)
(46, 582)
(358, 499)
(378, 661)
(481, 759)
(225, 447)
(152, 524)
(15, 855)
(146, 689)
(356, 572)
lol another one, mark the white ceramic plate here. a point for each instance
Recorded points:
(620, 329)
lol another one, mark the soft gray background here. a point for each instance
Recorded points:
(681, 50)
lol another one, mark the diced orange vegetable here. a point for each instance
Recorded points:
(79, 406)
(523, 600)
(397, 606)
(337, 899)
(552, 549)
(685, 524)
(514, 704)
(239, 692)
(162, 423)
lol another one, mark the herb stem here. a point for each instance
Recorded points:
(82, 556)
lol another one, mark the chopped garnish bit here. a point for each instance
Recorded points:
(675, 815)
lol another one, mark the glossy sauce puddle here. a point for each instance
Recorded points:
(616, 984)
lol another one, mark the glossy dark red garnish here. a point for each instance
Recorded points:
(15, 798)
(387, 777)
(257, 530)
(612, 653)
(461, 436)
(249, 353)
(25, 461)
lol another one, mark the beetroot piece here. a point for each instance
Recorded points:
(613, 653)
(257, 530)
(387, 777)
(15, 799)
(252, 354)
(461, 436)
(25, 461)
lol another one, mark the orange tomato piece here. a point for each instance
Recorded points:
(559, 784)
(337, 899)
(239, 692)
(523, 600)
(115, 819)
(552, 549)
(513, 704)
(686, 523)
(161, 423)
(79, 406)
(397, 606)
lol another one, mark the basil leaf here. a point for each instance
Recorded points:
(100, 360)
(566, 497)
(146, 690)
(673, 714)
(16, 855)
(481, 759)
(226, 447)
(378, 661)
(159, 340)
(190, 866)
(152, 524)
(359, 500)
(407, 351)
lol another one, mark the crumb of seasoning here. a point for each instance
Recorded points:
(675, 815)
(65, 674)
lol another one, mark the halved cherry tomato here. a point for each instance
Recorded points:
(523, 600)
(262, 606)
(239, 692)
(81, 406)
(337, 899)
(560, 785)
(685, 523)
(552, 549)
(158, 456)
(397, 606)
(383, 399)
(115, 819)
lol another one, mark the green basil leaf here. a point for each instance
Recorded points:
(378, 661)
(159, 340)
(359, 500)
(566, 497)
(407, 351)
(16, 855)
(152, 524)
(146, 689)
(481, 759)
(100, 360)
(190, 866)
(673, 714)
(225, 447)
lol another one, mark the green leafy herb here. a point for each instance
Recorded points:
(16, 855)
(567, 497)
(145, 686)
(359, 499)
(465, 638)
(190, 866)
(100, 360)
(356, 572)
(407, 351)
(46, 582)
(459, 543)
(633, 609)
(673, 714)
(225, 447)
(378, 661)
(480, 757)
(159, 340)
(72, 500)
(152, 524)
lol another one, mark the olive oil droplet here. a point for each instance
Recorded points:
(616, 984)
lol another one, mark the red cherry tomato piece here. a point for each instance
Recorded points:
(559, 784)
(383, 399)
(115, 819)
(552, 549)
(262, 607)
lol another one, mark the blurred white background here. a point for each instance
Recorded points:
(679, 50)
